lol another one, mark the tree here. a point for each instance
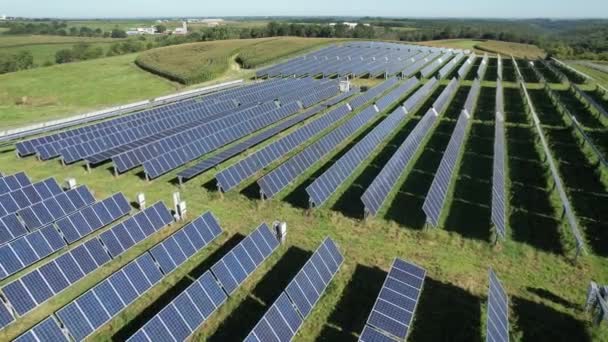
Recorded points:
(64, 56)
(160, 28)
(24, 60)
(118, 33)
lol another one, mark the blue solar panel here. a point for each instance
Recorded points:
(47, 330)
(6, 317)
(498, 215)
(498, 311)
(395, 306)
(285, 317)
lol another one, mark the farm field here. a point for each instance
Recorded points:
(45, 53)
(492, 46)
(200, 62)
(536, 262)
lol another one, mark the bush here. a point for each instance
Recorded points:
(15, 62)
(116, 33)
(64, 56)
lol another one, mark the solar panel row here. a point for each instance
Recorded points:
(166, 162)
(326, 185)
(393, 311)
(466, 67)
(498, 215)
(281, 177)
(472, 97)
(210, 103)
(430, 69)
(449, 67)
(285, 317)
(372, 93)
(498, 311)
(415, 67)
(13, 201)
(417, 98)
(13, 182)
(215, 160)
(390, 98)
(191, 308)
(435, 198)
(101, 303)
(234, 175)
(442, 102)
(499, 67)
(376, 194)
(481, 71)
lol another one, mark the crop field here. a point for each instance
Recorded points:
(516, 50)
(544, 279)
(200, 62)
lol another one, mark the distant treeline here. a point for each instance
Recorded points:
(59, 28)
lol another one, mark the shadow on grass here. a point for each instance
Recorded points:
(149, 312)
(446, 313)
(242, 319)
(538, 322)
(535, 230)
(597, 236)
(550, 296)
(350, 314)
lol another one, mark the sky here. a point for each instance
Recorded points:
(392, 8)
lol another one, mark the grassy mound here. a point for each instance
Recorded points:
(200, 62)
(492, 46)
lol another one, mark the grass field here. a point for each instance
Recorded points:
(599, 76)
(491, 46)
(45, 53)
(7, 41)
(62, 90)
(546, 289)
(200, 62)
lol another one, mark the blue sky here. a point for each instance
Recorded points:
(396, 8)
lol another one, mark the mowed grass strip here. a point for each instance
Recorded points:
(43, 94)
(200, 62)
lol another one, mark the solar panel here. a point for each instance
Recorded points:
(99, 305)
(435, 198)
(498, 215)
(191, 308)
(472, 97)
(394, 309)
(447, 69)
(6, 316)
(160, 165)
(229, 153)
(432, 67)
(285, 317)
(281, 177)
(232, 176)
(13, 201)
(135, 229)
(464, 69)
(13, 182)
(183, 244)
(481, 71)
(376, 194)
(498, 311)
(370, 94)
(418, 97)
(39, 285)
(442, 102)
(326, 184)
(47, 330)
(389, 99)
(499, 66)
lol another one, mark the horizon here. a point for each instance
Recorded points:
(438, 9)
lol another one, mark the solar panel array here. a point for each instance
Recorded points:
(106, 300)
(472, 97)
(390, 98)
(372, 93)
(420, 94)
(376, 194)
(40, 243)
(191, 308)
(285, 317)
(353, 58)
(449, 67)
(281, 177)
(13, 182)
(234, 175)
(164, 118)
(432, 67)
(215, 160)
(498, 311)
(46, 331)
(36, 287)
(170, 160)
(327, 184)
(464, 69)
(481, 71)
(435, 198)
(442, 102)
(394, 309)
(498, 175)
(415, 67)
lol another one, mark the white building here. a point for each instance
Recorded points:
(3, 17)
(181, 30)
(349, 25)
(141, 31)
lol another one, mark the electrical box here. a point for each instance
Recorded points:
(182, 210)
(141, 200)
(70, 183)
(344, 86)
(177, 198)
(281, 231)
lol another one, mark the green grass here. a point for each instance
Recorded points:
(43, 94)
(45, 53)
(7, 41)
(599, 76)
(200, 62)
(546, 289)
